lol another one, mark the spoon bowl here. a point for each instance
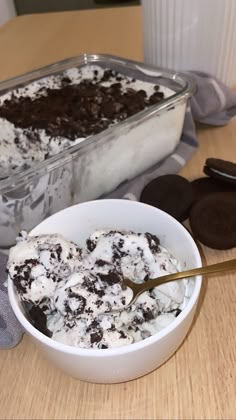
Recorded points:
(139, 288)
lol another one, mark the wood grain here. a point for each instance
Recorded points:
(199, 381)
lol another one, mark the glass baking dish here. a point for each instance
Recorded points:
(99, 163)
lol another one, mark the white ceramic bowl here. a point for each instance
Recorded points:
(129, 362)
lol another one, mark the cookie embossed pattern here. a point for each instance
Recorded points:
(208, 202)
(59, 160)
(213, 216)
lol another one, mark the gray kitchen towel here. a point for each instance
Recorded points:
(10, 329)
(214, 104)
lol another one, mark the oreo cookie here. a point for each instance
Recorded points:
(213, 220)
(207, 185)
(221, 169)
(170, 193)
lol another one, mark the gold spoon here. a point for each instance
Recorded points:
(139, 288)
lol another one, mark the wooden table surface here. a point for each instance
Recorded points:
(199, 381)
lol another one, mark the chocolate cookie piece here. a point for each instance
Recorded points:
(39, 320)
(221, 169)
(213, 220)
(170, 193)
(207, 185)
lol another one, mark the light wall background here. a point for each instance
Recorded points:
(7, 10)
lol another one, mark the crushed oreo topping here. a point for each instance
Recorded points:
(77, 110)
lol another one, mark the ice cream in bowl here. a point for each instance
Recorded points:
(65, 277)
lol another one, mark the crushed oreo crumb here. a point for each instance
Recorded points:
(91, 245)
(111, 278)
(153, 242)
(77, 110)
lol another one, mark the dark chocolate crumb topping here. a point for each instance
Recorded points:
(77, 110)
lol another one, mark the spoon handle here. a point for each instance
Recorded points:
(208, 269)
